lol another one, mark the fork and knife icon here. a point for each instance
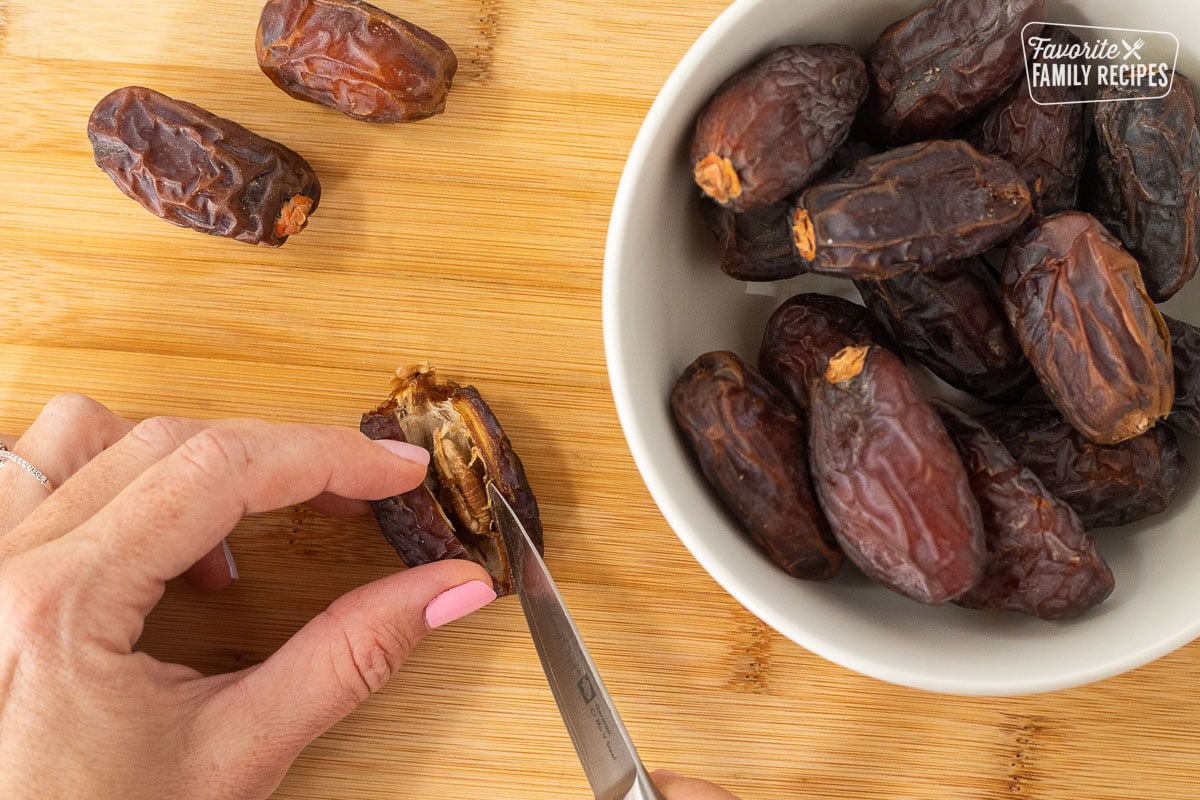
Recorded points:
(1132, 50)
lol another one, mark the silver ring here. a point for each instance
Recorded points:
(8, 455)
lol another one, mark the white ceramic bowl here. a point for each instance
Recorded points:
(666, 301)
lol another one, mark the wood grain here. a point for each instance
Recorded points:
(473, 240)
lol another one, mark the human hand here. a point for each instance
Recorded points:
(677, 787)
(84, 715)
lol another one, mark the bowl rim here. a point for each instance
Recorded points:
(655, 480)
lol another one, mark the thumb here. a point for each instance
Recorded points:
(344, 654)
(677, 787)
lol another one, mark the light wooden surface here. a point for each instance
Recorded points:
(473, 240)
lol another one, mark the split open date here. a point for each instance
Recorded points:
(1013, 246)
(450, 515)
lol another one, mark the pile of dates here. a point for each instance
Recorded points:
(202, 171)
(1013, 249)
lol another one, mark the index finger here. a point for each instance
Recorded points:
(182, 506)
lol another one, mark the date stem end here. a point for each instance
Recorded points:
(293, 216)
(717, 177)
(846, 364)
(803, 234)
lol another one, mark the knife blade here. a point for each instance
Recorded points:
(607, 753)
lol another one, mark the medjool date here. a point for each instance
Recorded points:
(1185, 353)
(1106, 484)
(1097, 342)
(201, 171)
(768, 130)
(911, 208)
(890, 480)
(804, 333)
(751, 446)
(945, 63)
(951, 319)
(355, 58)
(449, 515)
(1040, 561)
(1143, 180)
(1044, 141)
(756, 245)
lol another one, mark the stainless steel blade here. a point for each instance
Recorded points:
(600, 738)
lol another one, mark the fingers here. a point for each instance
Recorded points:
(112, 471)
(181, 507)
(70, 431)
(100, 480)
(677, 787)
(331, 505)
(214, 571)
(343, 655)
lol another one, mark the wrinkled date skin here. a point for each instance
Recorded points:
(1040, 561)
(1044, 142)
(1185, 352)
(758, 245)
(353, 57)
(890, 480)
(951, 319)
(911, 208)
(1143, 181)
(200, 171)
(946, 63)
(1105, 484)
(805, 332)
(768, 130)
(751, 446)
(1099, 345)
(755, 245)
(450, 514)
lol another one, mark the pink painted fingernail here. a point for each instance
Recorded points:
(229, 562)
(409, 452)
(456, 603)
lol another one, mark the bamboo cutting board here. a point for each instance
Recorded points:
(473, 240)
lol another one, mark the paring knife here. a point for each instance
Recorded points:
(609, 759)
